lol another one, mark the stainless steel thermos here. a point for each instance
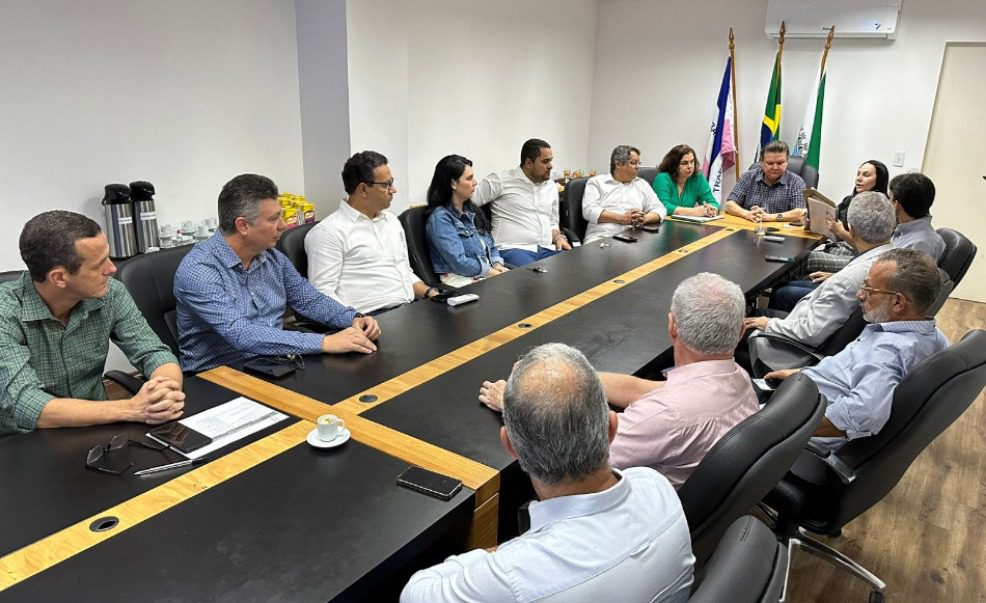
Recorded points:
(145, 217)
(119, 221)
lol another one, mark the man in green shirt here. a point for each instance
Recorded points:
(55, 325)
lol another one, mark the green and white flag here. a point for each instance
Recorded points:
(809, 143)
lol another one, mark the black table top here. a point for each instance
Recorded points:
(422, 331)
(307, 525)
(620, 332)
(47, 487)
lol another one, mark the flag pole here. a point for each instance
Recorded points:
(780, 43)
(736, 144)
(828, 45)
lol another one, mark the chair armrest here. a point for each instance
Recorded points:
(846, 474)
(783, 353)
(570, 235)
(125, 380)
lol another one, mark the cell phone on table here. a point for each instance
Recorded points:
(429, 482)
(625, 238)
(268, 367)
(650, 227)
(779, 258)
(180, 437)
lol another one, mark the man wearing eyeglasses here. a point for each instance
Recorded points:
(859, 382)
(233, 288)
(822, 312)
(358, 255)
(615, 201)
(56, 321)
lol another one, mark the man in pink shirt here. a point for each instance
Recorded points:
(670, 425)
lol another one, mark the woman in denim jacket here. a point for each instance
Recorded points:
(459, 239)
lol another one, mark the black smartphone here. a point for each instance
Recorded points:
(772, 229)
(268, 367)
(650, 227)
(429, 482)
(779, 258)
(625, 238)
(180, 437)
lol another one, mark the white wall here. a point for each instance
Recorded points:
(185, 94)
(658, 69)
(324, 90)
(433, 77)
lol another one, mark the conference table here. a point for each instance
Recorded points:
(272, 518)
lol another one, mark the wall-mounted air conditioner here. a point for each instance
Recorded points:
(851, 18)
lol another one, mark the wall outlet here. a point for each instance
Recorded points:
(898, 158)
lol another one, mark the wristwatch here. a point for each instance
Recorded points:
(779, 217)
(429, 290)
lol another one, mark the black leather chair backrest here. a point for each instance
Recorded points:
(9, 275)
(648, 174)
(747, 462)
(748, 566)
(845, 335)
(292, 244)
(796, 165)
(925, 403)
(958, 256)
(570, 212)
(150, 279)
(413, 220)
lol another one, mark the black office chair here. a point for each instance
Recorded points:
(150, 279)
(797, 165)
(748, 461)
(292, 244)
(826, 491)
(570, 210)
(772, 351)
(10, 275)
(958, 256)
(413, 220)
(748, 566)
(648, 174)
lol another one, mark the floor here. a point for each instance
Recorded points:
(927, 538)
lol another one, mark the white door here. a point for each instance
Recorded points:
(954, 157)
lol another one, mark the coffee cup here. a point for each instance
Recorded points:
(329, 427)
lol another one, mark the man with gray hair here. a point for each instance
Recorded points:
(859, 382)
(233, 288)
(614, 201)
(670, 425)
(822, 312)
(595, 531)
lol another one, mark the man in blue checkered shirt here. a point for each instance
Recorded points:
(769, 193)
(232, 289)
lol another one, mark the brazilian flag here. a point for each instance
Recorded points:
(772, 112)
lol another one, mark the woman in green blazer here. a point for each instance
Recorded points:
(681, 187)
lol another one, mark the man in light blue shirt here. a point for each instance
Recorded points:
(912, 195)
(232, 289)
(859, 382)
(596, 534)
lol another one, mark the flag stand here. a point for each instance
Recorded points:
(736, 144)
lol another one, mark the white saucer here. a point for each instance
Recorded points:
(317, 442)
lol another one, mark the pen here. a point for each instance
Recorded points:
(184, 463)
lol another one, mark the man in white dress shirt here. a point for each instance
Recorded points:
(597, 534)
(358, 255)
(525, 207)
(615, 201)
